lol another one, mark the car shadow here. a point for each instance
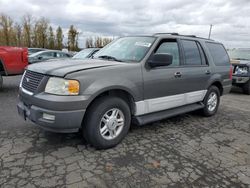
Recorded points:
(236, 90)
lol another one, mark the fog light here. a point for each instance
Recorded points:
(49, 117)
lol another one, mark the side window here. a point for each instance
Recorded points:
(218, 54)
(62, 55)
(192, 53)
(170, 47)
(48, 54)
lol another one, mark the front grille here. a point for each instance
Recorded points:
(31, 80)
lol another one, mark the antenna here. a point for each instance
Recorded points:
(210, 31)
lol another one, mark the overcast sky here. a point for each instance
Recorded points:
(231, 18)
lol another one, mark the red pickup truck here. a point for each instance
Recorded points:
(13, 61)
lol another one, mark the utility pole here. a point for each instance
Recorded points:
(210, 31)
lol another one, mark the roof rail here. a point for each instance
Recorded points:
(166, 33)
(177, 34)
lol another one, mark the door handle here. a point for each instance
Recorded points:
(177, 74)
(208, 72)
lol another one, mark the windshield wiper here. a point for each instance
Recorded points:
(109, 58)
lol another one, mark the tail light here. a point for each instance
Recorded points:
(231, 73)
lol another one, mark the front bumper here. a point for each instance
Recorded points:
(53, 113)
(240, 79)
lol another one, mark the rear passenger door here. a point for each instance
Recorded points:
(195, 69)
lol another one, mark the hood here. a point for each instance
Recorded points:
(240, 62)
(64, 67)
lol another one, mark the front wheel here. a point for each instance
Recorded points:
(107, 122)
(211, 101)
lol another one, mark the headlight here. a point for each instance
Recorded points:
(241, 70)
(60, 86)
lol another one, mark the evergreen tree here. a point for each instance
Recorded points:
(51, 39)
(59, 38)
(72, 39)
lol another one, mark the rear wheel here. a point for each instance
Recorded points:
(246, 88)
(107, 122)
(211, 101)
(1, 82)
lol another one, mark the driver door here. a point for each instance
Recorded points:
(164, 86)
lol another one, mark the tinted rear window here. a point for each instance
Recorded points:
(218, 53)
(192, 53)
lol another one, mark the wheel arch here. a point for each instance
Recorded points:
(218, 84)
(117, 92)
(2, 68)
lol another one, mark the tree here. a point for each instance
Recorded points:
(99, 42)
(106, 41)
(59, 38)
(41, 33)
(73, 39)
(27, 30)
(51, 39)
(89, 42)
(6, 29)
(18, 30)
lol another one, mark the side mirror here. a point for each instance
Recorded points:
(160, 59)
(40, 57)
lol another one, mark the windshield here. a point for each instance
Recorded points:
(126, 49)
(239, 54)
(83, 54)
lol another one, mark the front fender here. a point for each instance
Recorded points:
(100, 86)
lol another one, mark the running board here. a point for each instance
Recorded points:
(157, 116)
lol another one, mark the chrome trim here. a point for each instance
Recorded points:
(164, 103)
(21, 82)
(26, 91)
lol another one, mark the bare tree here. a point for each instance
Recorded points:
(41, 33)
(27, 30)
(18, 30)
(6, 24)
(89, 42)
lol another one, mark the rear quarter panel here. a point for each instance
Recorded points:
(220, 73)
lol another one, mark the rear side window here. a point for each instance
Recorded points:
(218, 53)
(48, 54)
(193, 53)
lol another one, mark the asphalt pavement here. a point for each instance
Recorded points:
(185, 151)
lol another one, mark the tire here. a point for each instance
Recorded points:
(211, 106)
(246, 88)
(1, 82)
(103, 110)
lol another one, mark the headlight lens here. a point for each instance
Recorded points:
(60, 86)
(241, 70)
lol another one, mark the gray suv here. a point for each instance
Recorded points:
(139, 79)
